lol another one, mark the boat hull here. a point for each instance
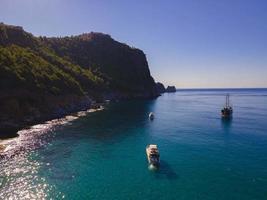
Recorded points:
(227, 113)
(151, 116)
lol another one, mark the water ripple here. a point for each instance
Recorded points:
(19, 174)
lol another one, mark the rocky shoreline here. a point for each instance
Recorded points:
(13, 143)
(21, 115)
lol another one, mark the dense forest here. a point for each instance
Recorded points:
(42, 78)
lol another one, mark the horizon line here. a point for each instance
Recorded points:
(222, 88)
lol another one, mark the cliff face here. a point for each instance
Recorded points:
(160, 88)
(124, 68)
(42, 78)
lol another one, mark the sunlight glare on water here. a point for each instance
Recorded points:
(102, 155)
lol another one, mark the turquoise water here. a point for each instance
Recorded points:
(102, 155)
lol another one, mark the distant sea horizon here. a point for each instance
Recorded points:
(222, 88)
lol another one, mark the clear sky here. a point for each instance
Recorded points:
(188, 43)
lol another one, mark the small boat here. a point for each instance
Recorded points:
(152, 153)
(227, 111)
(151, 116)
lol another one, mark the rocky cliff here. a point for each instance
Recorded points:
(42, 78)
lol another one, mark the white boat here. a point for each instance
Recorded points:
(152, 153)
(151, 116)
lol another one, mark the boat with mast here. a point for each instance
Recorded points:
(227, 111)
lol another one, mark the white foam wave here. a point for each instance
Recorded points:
(28, 134)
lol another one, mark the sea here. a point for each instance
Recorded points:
(101, 155)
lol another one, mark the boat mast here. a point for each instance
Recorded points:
(227, 101)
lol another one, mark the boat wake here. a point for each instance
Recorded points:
(152, 167)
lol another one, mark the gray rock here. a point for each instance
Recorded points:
(171, 89)
(160, 88)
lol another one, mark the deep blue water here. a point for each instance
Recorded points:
(102, 155)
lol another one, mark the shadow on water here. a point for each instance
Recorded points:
(165, 171)
(116, 120)
(226, 124)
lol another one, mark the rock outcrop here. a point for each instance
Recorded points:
(171, 89)
(160, 88)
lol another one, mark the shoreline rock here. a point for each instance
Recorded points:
(171, 89)
(67, 117)
(62, 106)
(18, 113)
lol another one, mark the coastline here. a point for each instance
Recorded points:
(20, 114)
(8, 144)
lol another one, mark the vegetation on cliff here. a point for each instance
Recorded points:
(41, 75)
(126, 69)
